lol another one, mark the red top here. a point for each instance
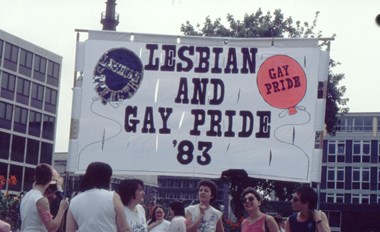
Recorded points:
(257, 225)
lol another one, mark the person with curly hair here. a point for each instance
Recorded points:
(203, 217)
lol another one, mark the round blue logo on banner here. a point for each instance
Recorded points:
(117, 75)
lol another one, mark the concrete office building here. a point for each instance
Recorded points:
(30, 78)
(350, 183)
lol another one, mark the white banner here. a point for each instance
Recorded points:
(196, 106)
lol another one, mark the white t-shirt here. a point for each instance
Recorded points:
(178, 224)
(210, 219)
(162, 227)
(136, 220)
(93, 210)
(31, 219)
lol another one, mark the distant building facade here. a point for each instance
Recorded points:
(350, 183)
(30, 79)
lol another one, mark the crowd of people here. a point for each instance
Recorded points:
(97, 208)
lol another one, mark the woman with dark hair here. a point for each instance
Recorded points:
(132, 194)
(307, 218)
(202, 216)
(96, 208)
(256, 220)
(34, 208)
(158, 223)
(178, 222)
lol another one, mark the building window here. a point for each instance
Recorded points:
(6, 111)
(8, 83)
(37, 95)
(28, 178)
(16, 170)
(18, 146)
(10, 56)
(23, 87)
(335, 178)
(361, 151)
(53, 73)
(35, 120)
(23, 91)
(48, 127)
(20, 119)
(335, 219)
(336, 151)
(26, 60)
(1, 50)
(5, 143)
(32, 151)
(50, 100)
(334, 198)
(360, 178)
(46, 153)
(357, 124)
(39, 68)
(360, 198)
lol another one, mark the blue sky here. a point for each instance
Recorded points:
(50, 24)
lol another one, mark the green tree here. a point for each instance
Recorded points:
(276, 25)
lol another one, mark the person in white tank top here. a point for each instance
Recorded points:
(203, 217)
(95, 208)
(132, 194)
(34, 207)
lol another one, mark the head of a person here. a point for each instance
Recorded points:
(50, 191)
(131, 189)
(43, 174)
(158, 213)
(306, 196)
(177, 207)
(207, 186)
(98, 175)
(250, 195)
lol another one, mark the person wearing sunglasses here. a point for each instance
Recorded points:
(256, 221)
(307, 218)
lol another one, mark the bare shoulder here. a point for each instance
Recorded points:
(42, 203)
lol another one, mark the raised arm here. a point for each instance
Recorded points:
(322, 223)
(44, 211)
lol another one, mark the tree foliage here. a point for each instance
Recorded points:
(270, 25)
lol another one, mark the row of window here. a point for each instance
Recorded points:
(24, 150)
(354, 198)
(358, 124)
(178, 184)
(361, 151)
(170, 195)
(29, 64)
(360, 178)
(24, 176)
(28, 93)
(22, 120)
